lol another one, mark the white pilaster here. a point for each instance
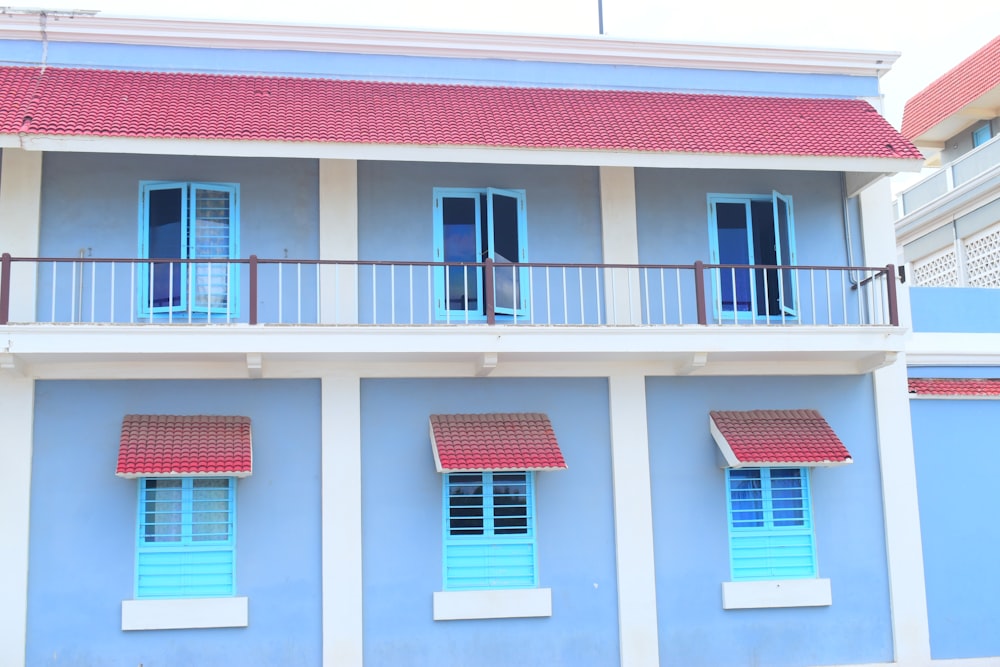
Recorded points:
(904, 549)
(16, 412)
(620, 239)
(20, 222)
(341, 474)
(338, 239)
(637, 625)
(878, 237)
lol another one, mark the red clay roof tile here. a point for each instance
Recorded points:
(514, 441)
(110, 103)
(173, 445)
(777, 437)
(962, 84)
(955, 386)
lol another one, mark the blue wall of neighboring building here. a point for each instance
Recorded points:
(440, 70)
(90, 205)
(955, 443)
(402, 525)
(955, 309)
(83, 526)
(691, 538)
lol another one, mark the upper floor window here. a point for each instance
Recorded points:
(754, 230)
(190, 221)
(471, 225)
(981, 135)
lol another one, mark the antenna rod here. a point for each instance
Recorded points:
(600, 17)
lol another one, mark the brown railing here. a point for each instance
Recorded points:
(290, 291)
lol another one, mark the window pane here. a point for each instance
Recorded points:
(165, 242)
(510, 503)
(465, 504)
(746, 498)
(211, 240)
(734, 248)
(506, 250)
(162, 516)
(787, 494)
(460, 238)
(210, 510)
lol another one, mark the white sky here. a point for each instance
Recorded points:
(933, 35)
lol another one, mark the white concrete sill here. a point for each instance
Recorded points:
(506, 603)
(776, 593)
(186, 613)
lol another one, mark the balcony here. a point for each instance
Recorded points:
(963, 173)
(74, 317)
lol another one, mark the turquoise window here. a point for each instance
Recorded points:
(186, 540)
(770, 524)
(489, 530)
(758, 230)
(471, 225)
(188, 221)
(981, 135)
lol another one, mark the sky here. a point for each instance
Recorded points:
(931, 42)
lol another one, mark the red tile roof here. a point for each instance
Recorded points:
(777, 437)
(80, 102)
(173, 445)
(971, 78)
(955, 386)
(518, 441)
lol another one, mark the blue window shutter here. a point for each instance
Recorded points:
(163, 233)
(981, 135)
(186, 537)
(489, 531)
(213, 233)
(770, 524)
(508, 244)
(784, 240)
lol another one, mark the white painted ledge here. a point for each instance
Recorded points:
(508, 603)
(185, 613)
(776, 593)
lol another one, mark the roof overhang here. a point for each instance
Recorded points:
(771, 438)
(496, 441)
(185, 446)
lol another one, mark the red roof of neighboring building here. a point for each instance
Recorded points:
(518, 441)
(109, 103)
(971, 78)
(777, 437)
(175, 446)
(955, 386)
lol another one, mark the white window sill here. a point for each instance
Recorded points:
(181, 614)
(776, 593)
(504, 603)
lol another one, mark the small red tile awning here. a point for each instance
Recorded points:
(498, 441)
(185, 446)
(956, 387)
(763, 438)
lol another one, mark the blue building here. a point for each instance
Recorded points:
(380, 347)
(948, 229)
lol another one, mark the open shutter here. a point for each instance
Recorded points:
(163, 233)
(507, 225)
(784, 250)
(213, 234)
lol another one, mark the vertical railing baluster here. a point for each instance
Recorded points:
(430, 294)
(644, 298)
(699, 292)
(298, 292)
(392, 293)
(614, 296)
(410, 289)
(72, 312)
(531, 295)
(812, 293)
(55, 291)
(252, 268)
(736, 303)
(565, 319)
(133, 301)
(548, 296)
(843, 291)
(281, 291)
(829, 300)
(93, 290)
(374, 295)
(579, 277)
(111, 317)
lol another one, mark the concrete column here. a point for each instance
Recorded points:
(341, 475)
(17, 397)
(338, 239)
(637, 624)
(20, 224)
(620, 240)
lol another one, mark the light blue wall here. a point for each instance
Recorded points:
(401, 496)
(83, 523)
(953, 371)
(955, 309)
(396, 222)
(90, 204)
(673, 227)
(691, 540)
(955, 444)
(440, 70)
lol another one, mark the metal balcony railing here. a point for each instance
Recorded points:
(949, 177)
(330, 292)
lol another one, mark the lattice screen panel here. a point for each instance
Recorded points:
(937, 270)
(982, 253)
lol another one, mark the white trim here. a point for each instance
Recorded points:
(341, 521)
(430, 43)
(17, 399)
(620, 243)
(776, 593)
(338, 239)
(20, 223)
(501, 603)
(462, 154)
(633, 508)
(185, 613)
(953, 349)
(903, 544)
